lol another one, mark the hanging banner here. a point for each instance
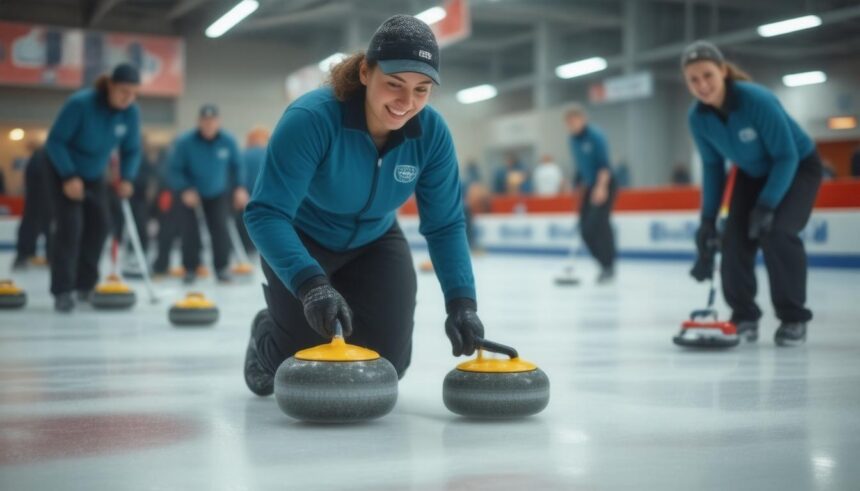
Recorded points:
(72, 58)
(624, 88)
(40, 55)
(457, 24)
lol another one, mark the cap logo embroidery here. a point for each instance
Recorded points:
(425, 54)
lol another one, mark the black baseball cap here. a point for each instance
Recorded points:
(208, 111)
(125, 73)
(701, 51)
(405, 44)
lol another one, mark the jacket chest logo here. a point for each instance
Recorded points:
(405, 173)
(747, 135)
(222, 153)
(119, 130)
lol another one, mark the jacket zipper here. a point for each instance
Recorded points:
(367, 204)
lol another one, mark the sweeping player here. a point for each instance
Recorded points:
(91, 124)
(340, 163)
(779, 173)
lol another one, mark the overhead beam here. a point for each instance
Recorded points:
(673, 50)
(325, 13)
(101, 9)
(183, 7)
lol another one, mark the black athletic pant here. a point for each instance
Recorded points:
(378, 282)
(169, 226)
(784, 254)
(79, 235)
(595, 227)
(38, 211)
(216, 214)
(243, 233)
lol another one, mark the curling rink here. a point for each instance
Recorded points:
(123, 400)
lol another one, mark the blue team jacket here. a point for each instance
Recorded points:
(252, 159)
(205, 165)
(85, 133)
(758, 136)
(323, 175)
(591, 153)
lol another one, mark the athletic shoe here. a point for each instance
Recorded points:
(189, 278)
(790, 334)
(607, 275)
(747, 331)
(64, 303)
(260, 380)
(84, 295)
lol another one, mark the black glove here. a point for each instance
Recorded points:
(707, 243)
(463, 325)
(324, 306)
(761, 221)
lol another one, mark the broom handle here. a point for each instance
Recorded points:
(131, 228)
(238, 247)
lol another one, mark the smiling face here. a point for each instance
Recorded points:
(394, 99)
(122, 95)
(706, 80)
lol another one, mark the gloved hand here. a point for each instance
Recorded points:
(761, 221)
(707, 243)
(324, 306)
(463, 325)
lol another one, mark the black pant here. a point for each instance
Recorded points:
(216, 214)
(169, 226)
(595, 228)
(378, 282)
(243, 233)
(80, 233)
(38, 210)
(784, 254)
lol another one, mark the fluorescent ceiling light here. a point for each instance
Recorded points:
(432, 15)
(805, 78)
(476, 94)
(234, 16)
(331, 61)
(582, 67)
(790, 25)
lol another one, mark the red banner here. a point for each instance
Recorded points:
(71, 58)
(457, 24)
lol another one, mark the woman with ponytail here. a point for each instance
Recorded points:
(779, 173)
(341, 161)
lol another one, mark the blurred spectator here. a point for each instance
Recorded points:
(621, 174)
(828, 170)
(253, 158)
(548, 177)
(38, 211)
(855, 163)
(513, 178)
(471, 172)
(681, 174)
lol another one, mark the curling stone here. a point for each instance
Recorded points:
(426, 266)
(11, 296)
(194, 310)
(496, 388)
(112, 294)
(242, 269)
(336, 383)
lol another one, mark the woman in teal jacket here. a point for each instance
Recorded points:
(779, 173)
(340, 162)
(91, 125)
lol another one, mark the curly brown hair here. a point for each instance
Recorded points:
(344, 77)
